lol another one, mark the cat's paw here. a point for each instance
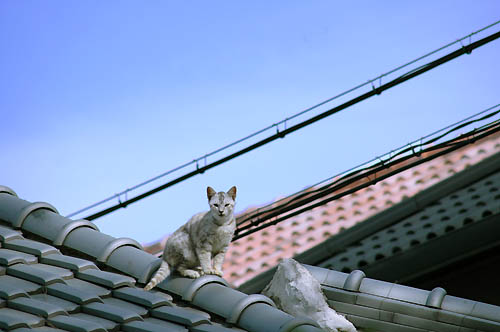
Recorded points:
(213, 271)
(190, 274)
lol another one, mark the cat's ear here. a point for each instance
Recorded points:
(232, 192)
(210, 192)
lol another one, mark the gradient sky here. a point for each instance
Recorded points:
(98, 96)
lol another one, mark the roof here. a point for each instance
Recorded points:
(248, 257)
(61, 274)
(383, 306)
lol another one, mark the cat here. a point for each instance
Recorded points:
(198, 247)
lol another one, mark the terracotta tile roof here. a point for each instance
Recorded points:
(256, 253)
(262, 250)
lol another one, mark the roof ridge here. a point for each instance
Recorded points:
(125, 255)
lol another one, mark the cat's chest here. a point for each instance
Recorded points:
(221, 236)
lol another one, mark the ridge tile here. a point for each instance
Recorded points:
(107, 279)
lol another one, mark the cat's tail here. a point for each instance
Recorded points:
(160, 275)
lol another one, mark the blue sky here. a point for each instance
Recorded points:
(98, 96)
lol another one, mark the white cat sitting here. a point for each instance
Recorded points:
(198, 247)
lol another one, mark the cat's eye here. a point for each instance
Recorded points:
(216, 205)
(226, 205)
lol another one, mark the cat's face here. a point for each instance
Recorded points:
(221, 203)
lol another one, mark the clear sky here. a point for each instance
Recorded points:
(98, 96)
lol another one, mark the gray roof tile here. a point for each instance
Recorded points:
(11, 319)
(10, 257)
(148, 326)
(142, 297)
(12, 287)
(38, 329)
(179, 315)
(9, 291)
(61, 272)
(88, 287)
(106, 323)
(34, 273)
(141, 311)
(165, 325)
(75, 324)
(406, 308)
(75, 295)
(107, 279)
(36, 307)
(72, 263)
(8, 234)
(110, 312)
(212, 328)
(67, 306)
(31, 247)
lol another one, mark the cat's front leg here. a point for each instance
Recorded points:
(205, 257)
(218, 260)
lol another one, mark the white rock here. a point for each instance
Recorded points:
(297, 292)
